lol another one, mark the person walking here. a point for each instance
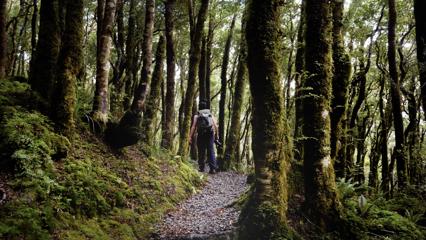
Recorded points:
(205, 125)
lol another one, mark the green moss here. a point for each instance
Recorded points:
(264, 221)
(92, 193)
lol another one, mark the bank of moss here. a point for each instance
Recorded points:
(84, 190)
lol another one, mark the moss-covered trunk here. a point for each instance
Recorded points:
(153, 100)
(169, 118)
(223, 87)
(299, 66)
(321, 198)
(396, 99)
(100, 108)
(231, 156)
(420, 16)
(43, 71)
(131, 58)
(264, 216)
(411, 134)
(69, 67)
(341, 75)
(147, 55)
(194, 61)
(3, 38)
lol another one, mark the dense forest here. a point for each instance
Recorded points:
(320, 107)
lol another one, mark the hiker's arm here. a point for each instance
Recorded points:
(191, 133)
(216, 130)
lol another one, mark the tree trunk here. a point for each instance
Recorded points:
(119, 66)
(223, 86)
(299, 66)
(194, 61)
(202, 70)
(167, 139)
(341, 75)
(264, 216)
(153, 100)
(320, 188)
(100, 101)
(69, 66)
(147, 56)
(130, 57)
(43, 72)
(231, 155)
(209, 47)
(419, 10)
(411, 134)
(3, 38)
(396, 99)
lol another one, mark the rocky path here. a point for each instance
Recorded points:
(208, 214)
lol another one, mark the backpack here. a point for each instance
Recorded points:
(204, 122)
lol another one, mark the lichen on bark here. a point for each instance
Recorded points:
(264, 216)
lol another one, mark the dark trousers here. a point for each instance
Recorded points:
(205, 143)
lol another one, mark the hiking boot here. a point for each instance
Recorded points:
(212, 171)
(201, 170)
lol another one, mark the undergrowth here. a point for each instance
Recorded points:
(375, 217)
(83, 190)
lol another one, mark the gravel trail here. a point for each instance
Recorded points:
(207, 214)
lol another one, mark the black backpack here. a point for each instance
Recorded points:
(204, 122)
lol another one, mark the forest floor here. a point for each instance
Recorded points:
(211, 213)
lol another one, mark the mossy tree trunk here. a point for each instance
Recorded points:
(420, 16)
(340, 81)
(69, 67)
(147, 56)
(3, 38)
(384, 129)
(194, 61)
(396, 99)
(321, 200)
(223, 87)
(100, 108)
(299, 66)
(119, 65)
(264, 216)
(43, 71)
(231, 156)
(411, 133)
(169, 118)
(153, 100)
(131, 58)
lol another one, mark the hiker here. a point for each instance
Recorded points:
(206, 127)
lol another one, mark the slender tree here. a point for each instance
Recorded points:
(223, 87)
(194, 61)
(69, 66)
(153, 100)
(419, 10)
(396, 98)
(320, 188)
(100, 102)
(299, 66)
(147, 55)
(340, 80)
(130, 57)
(3, 39)
(264, 216)
(167, 139)
(231, 155)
